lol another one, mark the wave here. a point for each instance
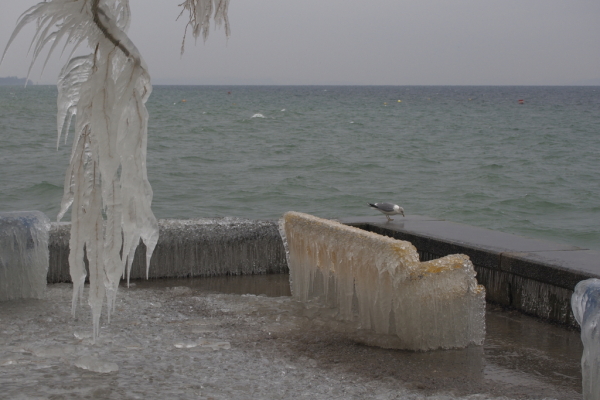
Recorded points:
(436, 153)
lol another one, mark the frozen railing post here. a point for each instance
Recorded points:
(586, 309)
(23, 254)
(379, 283)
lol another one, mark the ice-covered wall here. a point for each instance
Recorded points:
(380, 283)
(216, 246)
(586, 308)
(193, 248)
(23, 254)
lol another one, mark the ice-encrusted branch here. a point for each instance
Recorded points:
(106, 184)
(200, 12)
(102, 21)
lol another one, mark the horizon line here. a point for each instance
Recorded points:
(31, 83)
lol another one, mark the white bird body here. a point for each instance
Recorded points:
(388, 209)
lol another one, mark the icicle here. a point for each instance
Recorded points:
(106, 184)
(106, 92)
(379, 283)
(200, 12)
(71, 77)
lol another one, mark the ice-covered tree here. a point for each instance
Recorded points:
(106, 184)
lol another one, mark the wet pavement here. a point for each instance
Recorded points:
(208, 338)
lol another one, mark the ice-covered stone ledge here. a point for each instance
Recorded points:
(536, 277)
(533, 276)
(379, 282)
(192, 248)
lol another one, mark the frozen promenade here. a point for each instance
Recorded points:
(202, 339)
(240, 337)
(534, 276)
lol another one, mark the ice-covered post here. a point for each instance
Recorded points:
(23, 254)
(586, 308)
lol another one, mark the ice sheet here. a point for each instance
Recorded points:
(174, 342)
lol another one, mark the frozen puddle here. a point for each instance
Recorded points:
(185, 340)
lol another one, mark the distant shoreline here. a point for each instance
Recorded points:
(14, 81)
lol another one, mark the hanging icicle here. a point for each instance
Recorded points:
(200, 12)
(106, 184)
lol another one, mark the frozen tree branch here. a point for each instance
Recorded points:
(106, 184)
(200, 12)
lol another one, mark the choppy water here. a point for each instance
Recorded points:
(466, 154)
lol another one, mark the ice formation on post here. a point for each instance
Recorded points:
(380, 283)
(585, 303)
(23, 254)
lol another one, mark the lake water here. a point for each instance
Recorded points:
(466, 154)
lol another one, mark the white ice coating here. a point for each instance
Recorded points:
(586, 309)
(23, 254)
(106, 184)
(175, 342)
(379, 283)
(200, 13)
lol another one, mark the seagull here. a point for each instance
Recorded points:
(388, 209)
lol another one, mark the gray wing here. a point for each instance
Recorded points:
(387, 207)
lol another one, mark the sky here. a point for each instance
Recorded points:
(351, 42)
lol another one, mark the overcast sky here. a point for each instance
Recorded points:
(376, 42)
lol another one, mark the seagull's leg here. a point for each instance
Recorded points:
(388, 217)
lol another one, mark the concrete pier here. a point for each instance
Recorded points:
(534, 276)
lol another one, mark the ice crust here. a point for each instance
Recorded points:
(193, 248)
(380, 284)
(23, 254)
(94, 364)
(216, 246)
(275, 353)
(586, 309)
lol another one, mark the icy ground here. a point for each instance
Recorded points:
(168, 341)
